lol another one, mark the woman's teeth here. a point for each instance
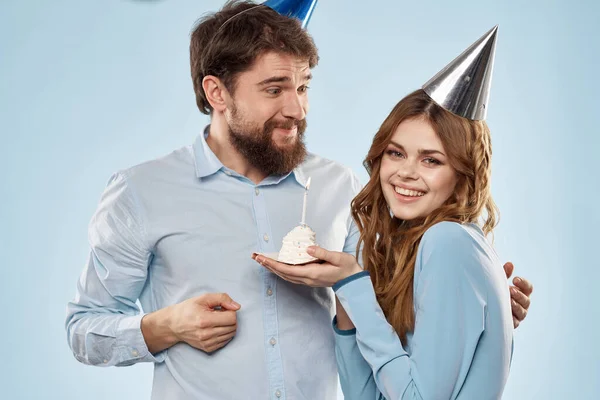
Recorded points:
(406, 192)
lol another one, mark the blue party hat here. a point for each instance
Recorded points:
(300, 9)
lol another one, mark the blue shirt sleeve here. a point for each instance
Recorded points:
(450, 305)
(356, 376)
(103, 321)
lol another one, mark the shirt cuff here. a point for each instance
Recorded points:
(342, 332)
(131, 343)
(349, 279)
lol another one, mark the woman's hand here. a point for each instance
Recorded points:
(337, 266)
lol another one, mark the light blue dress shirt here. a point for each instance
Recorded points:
(462, 343)
(183, 225)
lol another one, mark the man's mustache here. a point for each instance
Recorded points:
(287, 124)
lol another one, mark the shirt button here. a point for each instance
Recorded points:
(266, 237)
(277, 393)
(105, 361)
(269, 292)
(135, 353)
(273, 341)
(256, 191)
(228, 173)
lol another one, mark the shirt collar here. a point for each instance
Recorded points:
(208, 164)
(300, 175)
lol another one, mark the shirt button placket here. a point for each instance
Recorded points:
(270, 323)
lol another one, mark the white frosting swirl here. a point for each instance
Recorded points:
(295, 243)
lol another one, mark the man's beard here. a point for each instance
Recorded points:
(258, 147)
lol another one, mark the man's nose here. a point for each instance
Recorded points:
(294, 107)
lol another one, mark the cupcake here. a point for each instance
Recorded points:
(295, 243)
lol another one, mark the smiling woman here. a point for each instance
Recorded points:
(423, 218)
(427, 165)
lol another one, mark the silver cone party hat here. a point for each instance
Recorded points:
(463, 86)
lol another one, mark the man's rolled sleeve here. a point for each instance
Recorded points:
(103, 321)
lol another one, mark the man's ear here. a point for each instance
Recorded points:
(216, 93)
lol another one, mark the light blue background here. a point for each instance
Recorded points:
(89, 87)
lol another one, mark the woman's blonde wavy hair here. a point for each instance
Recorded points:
(389, 244)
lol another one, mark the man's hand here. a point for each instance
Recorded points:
(207, 322)
(519, 295)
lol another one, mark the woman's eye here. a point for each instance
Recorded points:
(432, 161)
(394, 153)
